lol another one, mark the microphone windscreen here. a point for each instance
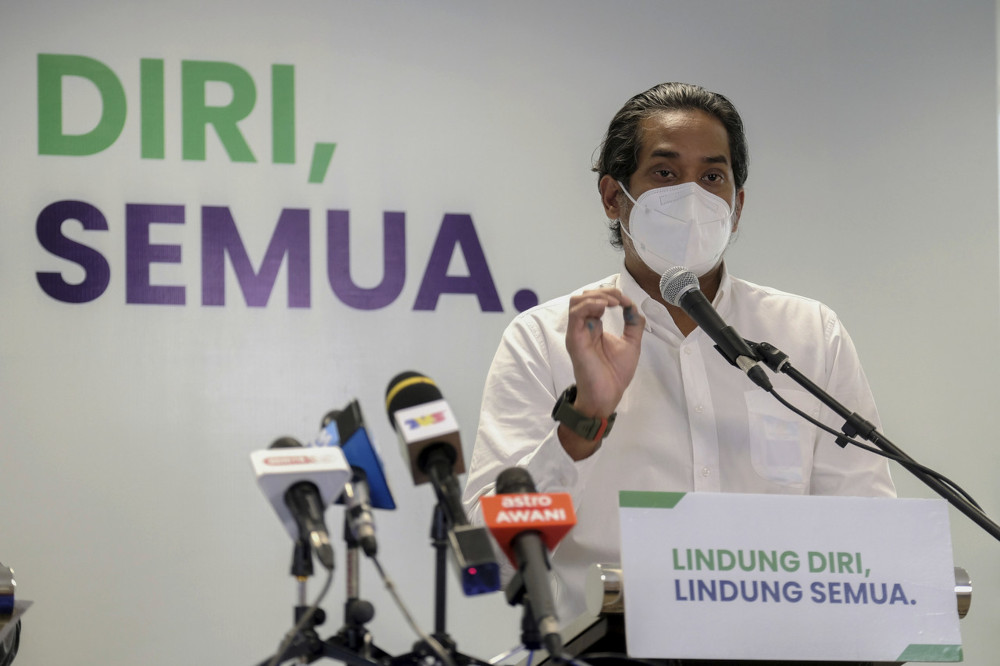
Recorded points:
(675, 282)
(515, 480)
(409, 389)
(329, 418)
(285, 443)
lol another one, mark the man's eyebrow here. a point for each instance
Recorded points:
(673, 155)
(669, 154)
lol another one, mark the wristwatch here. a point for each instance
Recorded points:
(590, 429)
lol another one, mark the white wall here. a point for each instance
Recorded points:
(129, 510)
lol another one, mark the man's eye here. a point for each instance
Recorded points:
(714, 177)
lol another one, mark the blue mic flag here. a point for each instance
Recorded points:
(360, 452)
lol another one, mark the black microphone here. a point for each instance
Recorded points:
(533, 563)
(300, 483)
(357, 501)
(428, 435)
(679, 287)
(307, 507)
(424, 423)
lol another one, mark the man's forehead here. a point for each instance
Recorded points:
(680, 132)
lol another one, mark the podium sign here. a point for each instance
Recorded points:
(781, 577)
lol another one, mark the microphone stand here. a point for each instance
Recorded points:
(354, 635)
(855, 425)
(517, 593)
(421, 649)
(307, 643)
(439, 539)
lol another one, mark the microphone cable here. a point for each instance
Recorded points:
(905, 462)
(429, 640)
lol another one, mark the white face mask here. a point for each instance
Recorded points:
(681, 225)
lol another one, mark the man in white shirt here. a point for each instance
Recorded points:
(644, 400)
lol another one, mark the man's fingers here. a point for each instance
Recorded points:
(593, 303)
(587, 309)
(635, 324)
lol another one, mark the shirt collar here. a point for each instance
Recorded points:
(655, 311)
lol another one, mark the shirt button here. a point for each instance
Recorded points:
(699, 409)
(705, 471)
(687, 350)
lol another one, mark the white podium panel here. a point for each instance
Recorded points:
(780, 577)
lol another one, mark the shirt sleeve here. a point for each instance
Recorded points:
(530, 369)
(849, 470)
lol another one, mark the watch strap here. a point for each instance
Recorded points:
(591, 429)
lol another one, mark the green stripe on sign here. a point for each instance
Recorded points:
(918, 652)
(322, 154)
(648, 499)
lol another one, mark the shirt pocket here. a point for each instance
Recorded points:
(781, 442)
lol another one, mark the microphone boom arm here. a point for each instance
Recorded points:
(856, 425)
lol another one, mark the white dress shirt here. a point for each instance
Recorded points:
(688, 421)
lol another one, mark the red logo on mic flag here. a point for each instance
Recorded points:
(297, 459)
(550, 514)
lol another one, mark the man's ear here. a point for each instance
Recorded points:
(611, 193)
(740, 197)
